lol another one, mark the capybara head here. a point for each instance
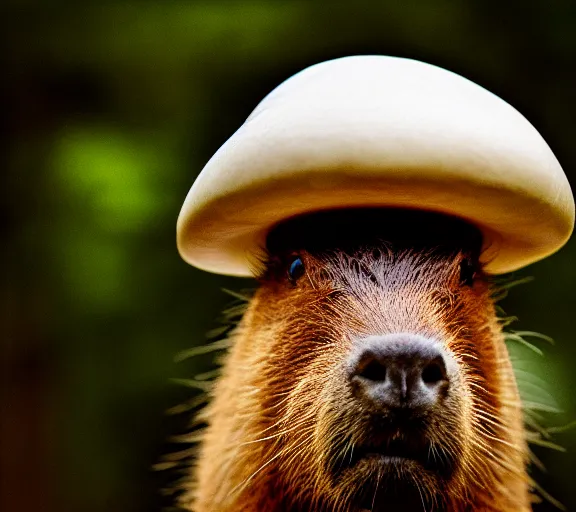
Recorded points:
(368, 373)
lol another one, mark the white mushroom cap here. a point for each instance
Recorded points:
(375, 131)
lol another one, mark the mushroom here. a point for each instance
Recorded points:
(376, 131)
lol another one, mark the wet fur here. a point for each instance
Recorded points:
(282, 422)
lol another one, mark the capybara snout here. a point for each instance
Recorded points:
(398, 371)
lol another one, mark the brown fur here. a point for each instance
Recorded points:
(282, 422)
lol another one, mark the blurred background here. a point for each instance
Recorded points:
(109, 111)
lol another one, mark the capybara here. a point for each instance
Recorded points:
(369, 372)
(373, 197)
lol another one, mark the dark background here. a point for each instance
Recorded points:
(109, 110)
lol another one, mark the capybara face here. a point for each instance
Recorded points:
(369, 373)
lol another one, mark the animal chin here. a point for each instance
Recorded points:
(391, 456)
(391, 475)
(402, 459)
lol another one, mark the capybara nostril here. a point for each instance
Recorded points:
(434, 372)
(371, 367)
(398, 371)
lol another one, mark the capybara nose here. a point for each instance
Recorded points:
(398, 371)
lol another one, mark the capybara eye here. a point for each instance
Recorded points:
(296, 270)
(467, 272)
